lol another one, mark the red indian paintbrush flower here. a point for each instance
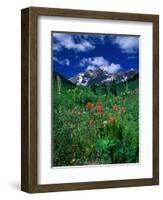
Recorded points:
(115, 107)
(89, 106)
(99, 109)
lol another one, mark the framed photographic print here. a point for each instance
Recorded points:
(90, 100)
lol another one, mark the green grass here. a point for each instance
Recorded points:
(83, 134)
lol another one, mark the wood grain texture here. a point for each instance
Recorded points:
(91, 14)
(24, 100)
(29, 88)
(29, 101)
(156, 100)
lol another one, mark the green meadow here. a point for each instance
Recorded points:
(95, 125)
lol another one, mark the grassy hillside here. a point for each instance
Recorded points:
(132, 85)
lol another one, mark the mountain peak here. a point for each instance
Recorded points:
(99, 76)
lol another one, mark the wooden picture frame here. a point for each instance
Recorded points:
(29, 112)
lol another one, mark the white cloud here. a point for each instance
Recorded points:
(95, 62)
(112, 68)
(65, 61)
(128, 44)
(67, 41)
(99, 61)
(91, 67)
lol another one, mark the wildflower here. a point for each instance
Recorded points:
(99, 109)
(59, 85)
(89, 106)
(115, 107)
(112, 120)
(104, 123)
(123, 109)
(73, 160)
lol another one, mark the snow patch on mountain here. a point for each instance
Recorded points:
(100, 75)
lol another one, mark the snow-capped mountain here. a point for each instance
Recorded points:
(100, 76)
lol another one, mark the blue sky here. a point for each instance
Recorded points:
(74, 53)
